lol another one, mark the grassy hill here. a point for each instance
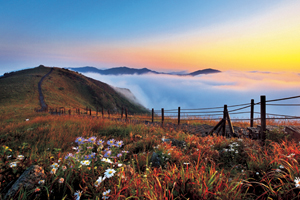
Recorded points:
(62, 88)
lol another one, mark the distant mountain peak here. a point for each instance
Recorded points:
(131, 71)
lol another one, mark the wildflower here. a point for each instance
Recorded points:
(236, 151)
(37, 189)
(119, 155)
(100, 142)
(297, 182)
(119, 143)
(257, 173)
(85, 162)
(111, 142)
(291, 155)
(55, 165)
(75, 148)
(107, 154)
(242, 171)
(105, 194)
(106, 160)
(26, 120)
(281, 166)
(119, 165)
(277, 170)
(91, 156)
(92, 139)
(13, 164)
(53, 170)
(125, 151)
(80, 140)
(186, 163)
(69, 155)
(99, 181)
(41, 182)
(64, 168)
(59, 160)
(61, 180)
(109, 173)
(77, 194)
(20, 157)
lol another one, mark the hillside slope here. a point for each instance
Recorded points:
(62, 88)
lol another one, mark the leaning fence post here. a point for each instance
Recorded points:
(263, 118)
(252, 113)
(126, 114)
(69, 111)
(162, 117)
(152, 115)
(178, 115)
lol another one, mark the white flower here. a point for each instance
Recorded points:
(77, 194)
(257, 173)
(281, 166)
(13, 164)
(105, 194)
(53, 170)
(109, 173)
(297, 182)
(55, 165)
(85, 162)
(99, 181)
(41, 182)
(20, 157)
(61, 180)
(106, 160)
(236, 151)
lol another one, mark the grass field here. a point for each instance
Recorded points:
(211, 167)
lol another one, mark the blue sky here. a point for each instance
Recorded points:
(124, 33)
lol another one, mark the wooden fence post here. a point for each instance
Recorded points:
(97, 111)
(122, 112)
(78, 111)
(108, 113)
(126, 114)
(252, 113)
(102, 113)
(152, 115)
(178, 115)
(224, 118)
(90, 111)
(162, 117)
(69, 111)
(263, 118)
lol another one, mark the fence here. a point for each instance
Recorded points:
(213, 113)
(223, 114)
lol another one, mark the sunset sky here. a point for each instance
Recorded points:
(163, 35)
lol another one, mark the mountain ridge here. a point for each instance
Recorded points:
(130, 71)
(63, 88)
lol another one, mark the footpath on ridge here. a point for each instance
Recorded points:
(41, 96)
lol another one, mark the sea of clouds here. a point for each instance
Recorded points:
(212, 90)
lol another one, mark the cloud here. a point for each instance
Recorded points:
(212, 90)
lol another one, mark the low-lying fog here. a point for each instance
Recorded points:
(213, 90)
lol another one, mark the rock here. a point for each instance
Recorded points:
(175, 142)
(155, 160)
(28, 180)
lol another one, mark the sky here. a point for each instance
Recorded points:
(169, 35)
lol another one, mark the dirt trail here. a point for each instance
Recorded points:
(41, 96)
